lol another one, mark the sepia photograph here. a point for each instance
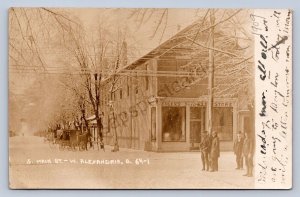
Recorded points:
(149, 98)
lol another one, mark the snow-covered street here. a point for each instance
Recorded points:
(33, 164)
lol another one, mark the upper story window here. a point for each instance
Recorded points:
(172, 64)
(127, 86)
(121, 93)
(113, 96)
(136, 90)
(128, 90)
(146, 78)
(166, 65)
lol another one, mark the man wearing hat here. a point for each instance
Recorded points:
(204, 149)
(238, 150)
(248, 152)
(215, 151)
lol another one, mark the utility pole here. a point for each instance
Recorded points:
(211, 72)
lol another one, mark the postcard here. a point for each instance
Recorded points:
(148, 98)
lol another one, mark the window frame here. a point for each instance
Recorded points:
(184, 126)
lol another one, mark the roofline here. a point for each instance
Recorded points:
(135, 62)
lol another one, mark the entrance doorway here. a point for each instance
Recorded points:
(197, 126)
(247, 124)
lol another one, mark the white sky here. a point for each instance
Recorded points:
(139, 41)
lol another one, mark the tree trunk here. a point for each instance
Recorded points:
(99, 127)
(116, 144)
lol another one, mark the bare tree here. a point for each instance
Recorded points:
(97, 58)
(32, 45)
(84, 59)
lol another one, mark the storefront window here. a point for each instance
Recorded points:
(153, 124)
(222, 122)
(173, 124)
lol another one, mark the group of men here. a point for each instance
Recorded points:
(210, 151)
(244, 150)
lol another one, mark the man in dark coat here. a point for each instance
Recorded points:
(204, 149)
(215, 151)
(248, 152)
(238, 150)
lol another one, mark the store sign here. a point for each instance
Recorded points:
(195, 103)
(189, 103)
(223, 104)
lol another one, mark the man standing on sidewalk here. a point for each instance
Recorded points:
(238, 150)
(204, 149)
(215, 152)
(248, 151)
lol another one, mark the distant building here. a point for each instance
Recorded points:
(160, 103)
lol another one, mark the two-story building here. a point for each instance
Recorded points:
(161, 99)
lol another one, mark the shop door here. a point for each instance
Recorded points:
(247, 125)
(195, 135)
(197, 125)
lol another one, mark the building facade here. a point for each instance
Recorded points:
(160, 102)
